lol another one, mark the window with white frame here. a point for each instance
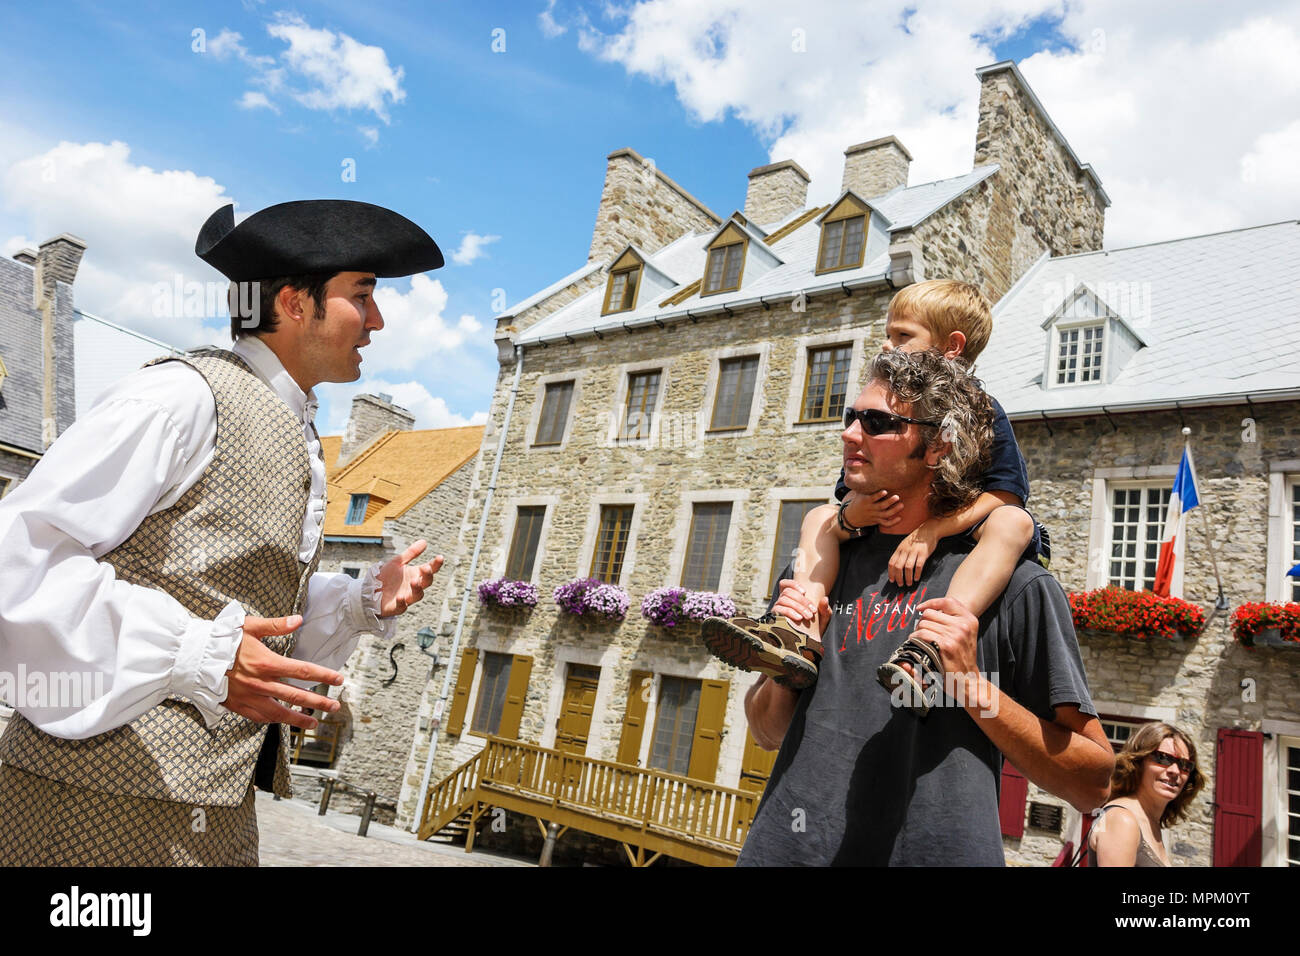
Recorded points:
(1119, 729)
(1293, 523)
(1137, 515)
(1079, 354)
(1289, 765)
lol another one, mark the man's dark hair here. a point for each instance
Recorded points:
(943, 390)
(252, 304)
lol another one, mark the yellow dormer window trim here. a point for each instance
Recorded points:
(624, 284)
(725, 267)
(844, 237)
(4, 373)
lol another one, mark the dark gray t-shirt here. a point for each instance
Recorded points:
(861, 782)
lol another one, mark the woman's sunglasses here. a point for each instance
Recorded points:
(1164, 759)
(876, 422)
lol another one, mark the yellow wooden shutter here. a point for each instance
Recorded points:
(755, 765)
(629, 742)
(521, 667)
(460, 696)
(708, 729)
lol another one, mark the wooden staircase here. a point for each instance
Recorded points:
(649, 812)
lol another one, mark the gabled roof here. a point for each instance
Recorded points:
(1128, 308)
(1220, 315)
(646, 261)
(105, 352)
(847, 194)
(797, 248)
(405, 465)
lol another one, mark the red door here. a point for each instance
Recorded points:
(1238, 798)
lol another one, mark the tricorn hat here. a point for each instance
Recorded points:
(315, 235)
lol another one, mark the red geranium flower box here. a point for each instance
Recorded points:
(1253, 618)
(1139, 614)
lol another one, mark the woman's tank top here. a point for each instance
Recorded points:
(1145, 855)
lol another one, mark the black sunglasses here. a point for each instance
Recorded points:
(876, 422)
(1164, 759)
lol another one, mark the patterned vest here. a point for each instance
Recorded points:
(234, 536)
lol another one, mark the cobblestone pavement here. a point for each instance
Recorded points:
(292, 834)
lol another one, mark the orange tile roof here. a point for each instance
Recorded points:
(400, 466)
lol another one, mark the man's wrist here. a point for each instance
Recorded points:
(976, 693)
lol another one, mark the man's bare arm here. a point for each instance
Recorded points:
(1068, 756)
(769, 708)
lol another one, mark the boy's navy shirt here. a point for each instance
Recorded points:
(1007, 470)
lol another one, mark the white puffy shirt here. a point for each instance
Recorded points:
(146, 442)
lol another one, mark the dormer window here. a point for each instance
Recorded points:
(624, 280)
(726, 261)
(844, 235)
(357, 509)
(842, 244)
(4, 372)
(1079, 354)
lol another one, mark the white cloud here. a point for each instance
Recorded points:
(547, 24)
(430, 410)
(139, 225)
(253, 100)
(472, 247)
(415, 331)
(371, 135)
(14, 244)
(343, 73)
(1188, 120)
(321, 69)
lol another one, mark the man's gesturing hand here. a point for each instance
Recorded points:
(253, 684)
(404, 583)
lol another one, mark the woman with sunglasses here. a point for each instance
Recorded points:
(1153, 784)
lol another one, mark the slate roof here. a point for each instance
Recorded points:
(1220, 315)
(904, 207)
(403, 466)
(105, 352)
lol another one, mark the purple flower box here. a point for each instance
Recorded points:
(500, 592)
(670, 606)
(593, 597)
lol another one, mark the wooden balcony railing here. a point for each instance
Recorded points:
(645, 810)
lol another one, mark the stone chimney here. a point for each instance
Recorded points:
(26, 256)
(56, 261)
(642, 206)
(775, 191)
(371, 417)
(875, 167)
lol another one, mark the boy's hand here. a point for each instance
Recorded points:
(880, 509)
(911, 554)
(797, 608)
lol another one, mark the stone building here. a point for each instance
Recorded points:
(1100, 360)
(668, 412)
(37, 392)
(388, 486)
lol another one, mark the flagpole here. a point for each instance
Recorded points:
(1221, 603)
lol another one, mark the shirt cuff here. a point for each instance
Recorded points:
(207, 651)
(365, 595)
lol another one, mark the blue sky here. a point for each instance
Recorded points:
(465, 137)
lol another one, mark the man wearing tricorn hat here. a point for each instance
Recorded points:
(169, 541)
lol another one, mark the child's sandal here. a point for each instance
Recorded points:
(927, 665)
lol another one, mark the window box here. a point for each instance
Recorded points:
(1136, 614)
(505, 593)
(1268, 624)
(592, 598)
(668, 607)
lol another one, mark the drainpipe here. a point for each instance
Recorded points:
(438, 708)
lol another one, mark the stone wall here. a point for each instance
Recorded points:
(1196, 684)
(1042, 200)
(642, 206)
(380, 720)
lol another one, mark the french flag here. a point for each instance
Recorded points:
(1183, 500)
